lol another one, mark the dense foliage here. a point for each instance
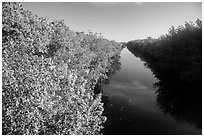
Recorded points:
(49, 73)
(177, 55)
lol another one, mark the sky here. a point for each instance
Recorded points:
(119, 21)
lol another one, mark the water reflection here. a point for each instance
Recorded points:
(181, 101)
(133, 106)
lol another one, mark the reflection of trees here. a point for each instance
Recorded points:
(176, 98)
(180, 102)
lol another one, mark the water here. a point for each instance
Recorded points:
(132, 107)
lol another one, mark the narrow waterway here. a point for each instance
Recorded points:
(131, 107)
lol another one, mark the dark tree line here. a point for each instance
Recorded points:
(176, 61)
(177, 55)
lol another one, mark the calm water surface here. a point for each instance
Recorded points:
(132, 108)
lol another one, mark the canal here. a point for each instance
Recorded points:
(132, 107)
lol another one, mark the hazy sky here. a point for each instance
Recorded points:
(120, 21)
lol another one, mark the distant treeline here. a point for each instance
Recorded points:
(176, 56)
(49, 73)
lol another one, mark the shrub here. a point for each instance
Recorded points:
(48, 75)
